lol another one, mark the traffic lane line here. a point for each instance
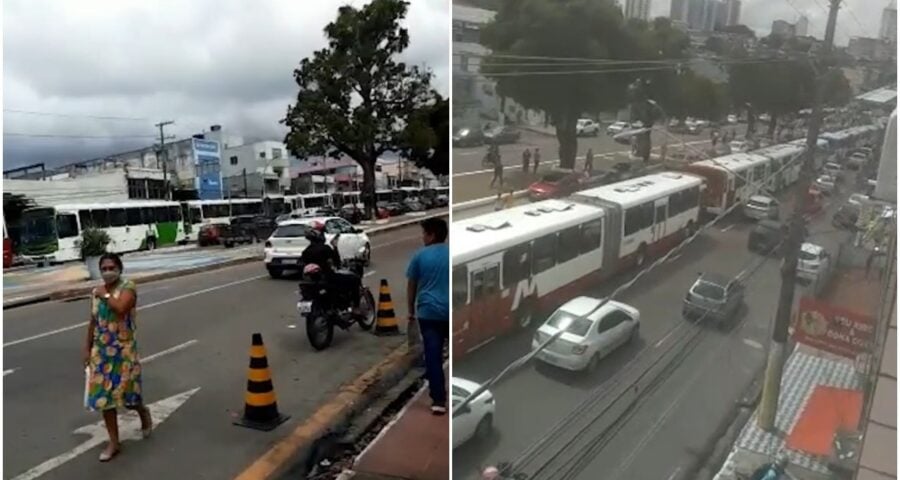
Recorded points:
(301, 376)
(63, 312)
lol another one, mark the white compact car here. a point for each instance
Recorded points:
(590, 332)
(813, 264)
(475, 420)
(617, 127)
(586, 127)
(284, 247)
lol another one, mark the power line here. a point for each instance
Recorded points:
(73, 115)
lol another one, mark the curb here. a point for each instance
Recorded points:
(290, 456)
(69, 293)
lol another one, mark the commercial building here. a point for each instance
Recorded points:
(256, 169)
(678, 11)
(801, 27)
(639, 9)
(783, 29)
(113, 185)
(732, 12)
(873, 49)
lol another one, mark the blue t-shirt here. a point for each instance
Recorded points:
(430, 268)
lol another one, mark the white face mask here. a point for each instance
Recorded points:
(110, 276)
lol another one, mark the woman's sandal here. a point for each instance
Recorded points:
(105, 456)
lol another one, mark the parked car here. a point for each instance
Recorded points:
(553, 184)
(732, 119)
(396, 208)
(714, 298)
(857, 160)
(616, 127)
(759, 207)
(766, 237)
(846, 217)
(468, 137)
(414, 204)
(475, 420)
(739, 146)
(264, 226)
(351, 213)
(825, 184)
(813, 264)
(441, 201)
(210, 234)
(381, 210)
(586, 127)
(858, 199)
(284, 247)
(834, 170)
(591, 330)
(241, 230)
(502, 135)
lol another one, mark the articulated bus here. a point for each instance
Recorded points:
(307, 203)
(727, 176)
(54, 233)
(511, 265)
(204, 212)
(787, 159)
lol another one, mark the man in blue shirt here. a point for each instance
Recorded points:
(428, 302)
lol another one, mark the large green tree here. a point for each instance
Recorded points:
(427, 137)
(773, 86)
(355, 97)
(558, 56)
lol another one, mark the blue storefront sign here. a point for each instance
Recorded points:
(207, 161)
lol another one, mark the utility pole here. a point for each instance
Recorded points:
(165, 155)
(772, 383)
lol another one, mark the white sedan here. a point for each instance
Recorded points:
(586, 127)
(284, 247)
(617, 127)
(475, 420)
(591, 331)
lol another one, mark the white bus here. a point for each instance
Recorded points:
(645, 216)
(786, 158)
(54, 233)
(204, 212)
(727, 179)
(508, 265)
(308, 203)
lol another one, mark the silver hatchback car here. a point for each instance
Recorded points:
(761, 207)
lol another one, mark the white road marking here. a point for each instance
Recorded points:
(674, 473)
(728, 227)
(663, 339)
(142, 307)
(753, 344)
(129, 429)
(168, 351)
(7, 372)
(369, 274)
(292, 326)
(673, 258)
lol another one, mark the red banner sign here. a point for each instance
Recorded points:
(834, 329)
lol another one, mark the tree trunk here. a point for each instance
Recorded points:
(644, 146)
(368, 189)
(773, 123)
(568, 141)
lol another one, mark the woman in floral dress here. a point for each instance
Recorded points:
(110, 352)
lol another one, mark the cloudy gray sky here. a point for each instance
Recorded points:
(199, 63)
(856, 18)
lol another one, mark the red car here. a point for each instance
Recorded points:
(555, 184)
(210, 234)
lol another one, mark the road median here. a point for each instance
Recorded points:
(83, 288)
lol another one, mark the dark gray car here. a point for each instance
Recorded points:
(718, 297)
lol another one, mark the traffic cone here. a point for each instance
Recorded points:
(260, 408)
(386, 320)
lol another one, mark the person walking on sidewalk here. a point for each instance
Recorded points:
(498, 167)
(110, 353)
(537, 159)
(428, 302)
(526, 159)
(589, 161)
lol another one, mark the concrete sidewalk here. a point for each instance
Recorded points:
(415, 445)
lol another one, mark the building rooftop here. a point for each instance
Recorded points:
(480, 16)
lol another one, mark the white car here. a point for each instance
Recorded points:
(732, 119)
(284, 247)
(814, 262)
(476, 419)
(858, 199)
(833, 169)
(591, 331)
(617, 127)
(761, 207)
(587, 127)
(739, 146)
(825, 184)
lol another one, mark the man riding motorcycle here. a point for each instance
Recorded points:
(328, 260)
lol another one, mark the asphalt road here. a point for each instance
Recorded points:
(670, 424)
(208, 320)
(471, 180)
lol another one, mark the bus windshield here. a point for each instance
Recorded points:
(38, 227)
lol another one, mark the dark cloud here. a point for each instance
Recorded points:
(199, 63)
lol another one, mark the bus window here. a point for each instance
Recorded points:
(85, 217)
(638, 218)
(543, 253)
(591, 236)
(460, 285)
(195, 215)
(117, 217)
(67, 225)
(101, 218)
(174, 214)
(161, 214)
(148, 215)
(516, 264)
(133, 216)
(485, 282)
(569, 241)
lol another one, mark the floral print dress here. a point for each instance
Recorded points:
(115, 369)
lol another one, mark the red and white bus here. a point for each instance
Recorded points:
(727, 176)
(646, 216)
(511, 265)
(7, 248)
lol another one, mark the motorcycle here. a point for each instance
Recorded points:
(325, 306)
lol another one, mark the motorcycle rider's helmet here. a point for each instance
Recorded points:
(315, 233)
(311, 269)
